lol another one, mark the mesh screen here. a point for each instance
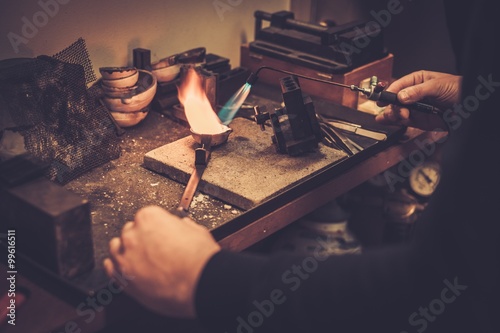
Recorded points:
(62, 122)
(77, 53)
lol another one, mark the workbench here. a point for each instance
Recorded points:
(119, 188)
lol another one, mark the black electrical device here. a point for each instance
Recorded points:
(295, 126)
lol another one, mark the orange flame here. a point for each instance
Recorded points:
(199, 113)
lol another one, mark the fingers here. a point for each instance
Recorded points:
(402, 116)
(394, 116)
(109, 267)
(429, 89)
(115, 246)
(414, 79)
(416, 86)
(157, 217)
(116, 249)
(117, 276)
(153, 214)
(407, 81)
(147, 221)
(127, 239)
(127, 226)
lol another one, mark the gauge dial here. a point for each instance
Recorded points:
(424, 178)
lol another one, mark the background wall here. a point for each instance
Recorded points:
(112, 28)
(418, 36)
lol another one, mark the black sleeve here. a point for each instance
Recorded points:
(446, 280)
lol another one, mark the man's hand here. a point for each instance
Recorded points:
(165, 255)
(438, 89)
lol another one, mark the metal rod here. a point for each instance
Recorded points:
(191, 187)
(352, 87)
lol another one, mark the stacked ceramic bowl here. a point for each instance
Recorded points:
(166, 70)
(127, 93)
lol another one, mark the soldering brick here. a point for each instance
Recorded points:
(246, 170)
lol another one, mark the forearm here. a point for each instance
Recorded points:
(301, 294)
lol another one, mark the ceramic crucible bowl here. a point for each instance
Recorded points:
(119, 92)
(113, 73)
(123, 82)
(165, 62)
(167, 74)
(127, 119)
(217, 139)
(146, 89)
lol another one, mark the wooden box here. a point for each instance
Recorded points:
(381, 68)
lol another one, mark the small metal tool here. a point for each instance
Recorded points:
(357, 129)
(333, 138)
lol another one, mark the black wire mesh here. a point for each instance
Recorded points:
(61, 120)
(77, 53)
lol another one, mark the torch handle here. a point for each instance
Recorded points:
(392, 98)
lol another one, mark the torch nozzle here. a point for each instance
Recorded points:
(252, 79)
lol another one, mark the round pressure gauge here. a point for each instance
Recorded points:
(424, 178)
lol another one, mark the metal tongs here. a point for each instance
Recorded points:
(357, 129)
(335, 139)
(201, 157)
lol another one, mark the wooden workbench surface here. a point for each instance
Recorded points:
(117, 189)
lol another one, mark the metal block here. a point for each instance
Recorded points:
(53, 226)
